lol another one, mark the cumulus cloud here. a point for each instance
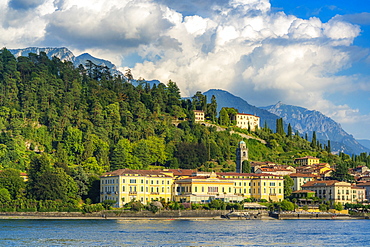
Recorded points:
(243, 46)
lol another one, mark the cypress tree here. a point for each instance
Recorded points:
(289, 131)
(314, 141)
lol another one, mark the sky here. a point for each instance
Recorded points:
(313, 54)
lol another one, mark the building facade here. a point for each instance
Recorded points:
(125, 185)
(307, 161)
(300, 179)
(246, 121)
(335, 191)
(198, 115)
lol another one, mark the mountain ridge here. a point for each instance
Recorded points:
(65, 54)
(308, 121)
(300, 118)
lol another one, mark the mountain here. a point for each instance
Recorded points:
(365, 143)
(307, 121)
(62, 53)
(226, 99)
(301, 119)
(65, 54)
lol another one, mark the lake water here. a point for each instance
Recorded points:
(19, 232)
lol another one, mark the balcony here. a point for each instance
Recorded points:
(154, 193)
(132, 193)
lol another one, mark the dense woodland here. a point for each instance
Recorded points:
(65, 126)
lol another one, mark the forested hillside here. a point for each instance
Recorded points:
(65, 126)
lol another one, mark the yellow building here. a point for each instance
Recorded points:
(199, 115)
(333, 190)
(245, 121)
(259, 186)
(204, 189)
(307, 161)
(300, 179)
(124, 185)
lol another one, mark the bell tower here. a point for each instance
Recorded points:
(241, 155)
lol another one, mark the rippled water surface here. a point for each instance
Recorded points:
(184, 233)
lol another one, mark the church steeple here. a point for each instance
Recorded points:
(241, 155)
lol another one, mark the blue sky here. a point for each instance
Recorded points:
(313, 54)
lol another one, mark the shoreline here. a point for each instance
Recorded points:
(176, 215)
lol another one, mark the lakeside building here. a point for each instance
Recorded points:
(366, 186)
(124, 185)
(199, 115)
(277, 170)
(338, 192)
(269, 187)
(300, 179)
(306, 161)
(246, 121)
(204, 189)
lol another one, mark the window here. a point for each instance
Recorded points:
(123, 181)
(212, 189)
(132, 181)
(123, 188)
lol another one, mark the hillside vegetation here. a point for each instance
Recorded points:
(65, 126)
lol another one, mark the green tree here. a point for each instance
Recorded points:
(338, 206)
(49, 183)
(212, 110)
(314, 141)
(290, 131)
(4, 195)
(246, 166)
(288, 184)
(122, 156)
(280, 127)
(341, 173)
(287, 205)
(224, 119)
(13, 182)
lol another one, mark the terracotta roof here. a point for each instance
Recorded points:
(246, 114)
(321, 182)
(180, 172)
(121, 172)
(233, 174)
(303, 191)
(302, 175)
(307, 157)
(357, 188)
(273, 169)
(363, 184)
